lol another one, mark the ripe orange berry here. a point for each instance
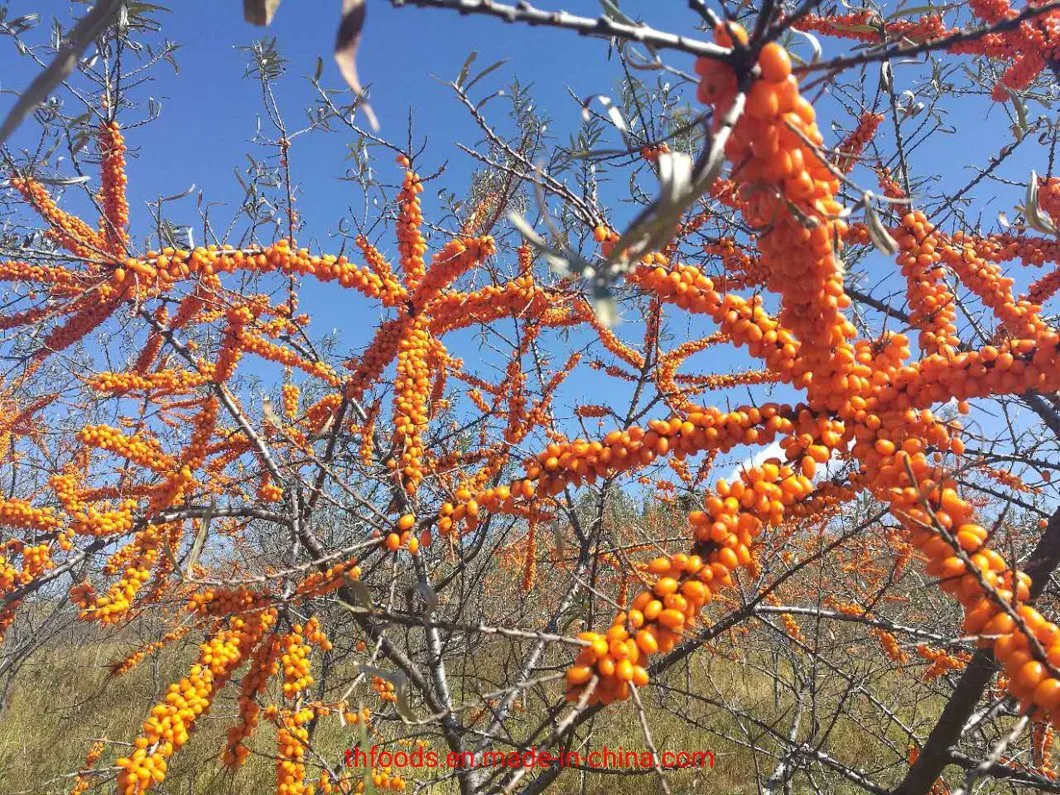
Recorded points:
(724, 33)
(775, 63)
(1047, 694)
(579, 674)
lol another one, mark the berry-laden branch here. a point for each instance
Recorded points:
(422, 493)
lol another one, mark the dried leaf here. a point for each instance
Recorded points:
(878, 233)
(260, 12)
(885, 76)
(429, 596)
(361, 594)
(1022, 125)
(181, 195)
(1036, 219)
(815, 44)
(346, 43)
(200, 538)
(557, 539)
(854, 28)
(560, 265)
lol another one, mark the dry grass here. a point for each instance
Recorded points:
(64, 699)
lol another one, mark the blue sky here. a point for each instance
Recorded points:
(210, 112)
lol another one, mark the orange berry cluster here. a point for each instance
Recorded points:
(292, 738)
(87, 316)
(384, 689)
(160, 382)
(140, 450)
(1049, 196)
(967, 575)
(890, 646)
(321, 583)
(1043, 289)
(411, 243)
(855, 143)
(984, 278)
(582, 461)
(67, 230)
(137, 657)
(115, 220)
(865, 25)
(95, 753)
(403, 535)
(116, 603)
(734, 515)
(294, 659)
(411, 389)
(315, 634)
(1009, 480)
(591, 411)
(1042, 739)
(290, 394)
(741, 269)
(529, 577)
(651, 152)
(264, 664)
(942, 662)
(773, 144)
(383, 282)
(873, 390)
(1030, 47)
(21, 514)
(170, 724)
(933, 308)
(455, 259)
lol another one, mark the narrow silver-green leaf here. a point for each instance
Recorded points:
(84, 32)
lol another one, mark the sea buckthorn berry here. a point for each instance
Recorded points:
(774, 62)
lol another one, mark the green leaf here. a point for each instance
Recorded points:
(69, 49)
(854, 28)
(612, 11)
(491, 68)
(913, 11)
(1021, 113)
(466, 68)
